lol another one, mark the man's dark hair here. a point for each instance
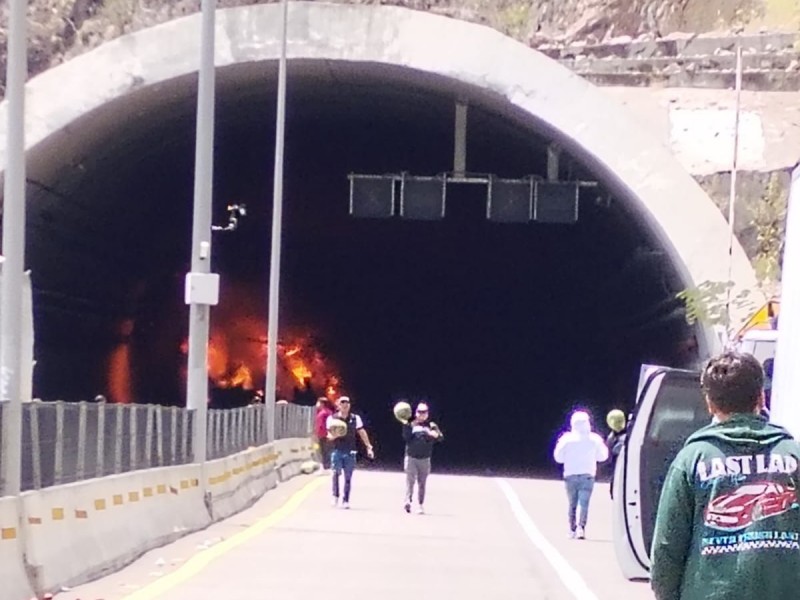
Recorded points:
(733, 382)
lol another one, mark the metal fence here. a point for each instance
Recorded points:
(65, 442)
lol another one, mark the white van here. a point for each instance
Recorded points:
(760, 343)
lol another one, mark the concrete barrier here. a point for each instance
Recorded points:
(13, 578)
(80, 531)
(77, 532)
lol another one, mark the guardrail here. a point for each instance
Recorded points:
(65, 442)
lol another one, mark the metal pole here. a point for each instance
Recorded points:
(460, 151)
(13, 250)
(199, 312)
(277, 211)
(734, 172)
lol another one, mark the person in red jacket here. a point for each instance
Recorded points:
(324, 410)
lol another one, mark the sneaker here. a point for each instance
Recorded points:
(572, 534)
(335, 501)
(407, 507)
(421, 510)
(581, 533)
(346, 505)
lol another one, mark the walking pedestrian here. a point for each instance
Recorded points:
(343, 456)
(420, 436)
(579, 450)
(728, 519)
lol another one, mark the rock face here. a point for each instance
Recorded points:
(60, 29)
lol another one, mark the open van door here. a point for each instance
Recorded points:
(669, 408)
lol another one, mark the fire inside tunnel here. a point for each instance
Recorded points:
(502, 328)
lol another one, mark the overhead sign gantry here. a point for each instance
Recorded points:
(529, 199)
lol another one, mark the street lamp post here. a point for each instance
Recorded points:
(13, 251)
(277, 211)
(202, 287)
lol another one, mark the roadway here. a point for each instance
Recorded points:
(481, 538)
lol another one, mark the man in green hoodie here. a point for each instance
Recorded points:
(728, 522)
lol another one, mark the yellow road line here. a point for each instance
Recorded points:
(198, 562)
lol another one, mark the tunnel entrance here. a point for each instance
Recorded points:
(502, 328)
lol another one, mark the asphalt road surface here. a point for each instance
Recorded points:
(480, 539)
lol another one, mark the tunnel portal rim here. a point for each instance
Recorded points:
(645, 174)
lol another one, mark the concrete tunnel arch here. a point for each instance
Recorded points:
(666, 200)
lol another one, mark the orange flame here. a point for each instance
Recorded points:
(120, 388)
(237, 351)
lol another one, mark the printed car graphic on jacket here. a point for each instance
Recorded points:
(750, 503)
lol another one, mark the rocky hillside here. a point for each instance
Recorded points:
(59, 29)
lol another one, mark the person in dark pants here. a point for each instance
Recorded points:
(615, 442)
(343, 457)
(420, 437)
(579, 450)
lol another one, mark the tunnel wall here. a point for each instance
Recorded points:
(591, 126)
(74, 533)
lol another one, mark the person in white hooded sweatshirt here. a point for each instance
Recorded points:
(579, 450)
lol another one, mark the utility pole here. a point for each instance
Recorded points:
(202, 287)
(13, 264)
(732, 200)
(277, 215)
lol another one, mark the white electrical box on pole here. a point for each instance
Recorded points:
(202, 287)
(11, 292)
(277, 217)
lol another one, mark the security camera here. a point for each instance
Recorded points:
(234, 212)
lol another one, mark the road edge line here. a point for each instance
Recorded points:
(195, 565)
(568, 575)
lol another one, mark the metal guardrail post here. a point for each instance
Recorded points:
(101, 439)
(148, 436)
(212, 432)
(240, 429)
(80, 467)
(36, 448)
(120, 432)
(134, 461)
(272, 419)
(58, 462)
(226, 432)
(159, 414)
(185, 437)
(174, 412)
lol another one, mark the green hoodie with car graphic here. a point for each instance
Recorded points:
(728, 524)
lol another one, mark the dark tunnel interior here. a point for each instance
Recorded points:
(502, 328)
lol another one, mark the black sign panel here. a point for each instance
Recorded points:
(556, 202)
(510, 201)
(372, 197)
(422, 198)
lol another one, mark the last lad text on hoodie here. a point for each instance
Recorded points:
(580, 449)
(728, 525)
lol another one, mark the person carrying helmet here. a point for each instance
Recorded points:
(579, 450)
(420, 435)
(343, 456)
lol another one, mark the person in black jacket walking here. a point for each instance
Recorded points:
(420, 436)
